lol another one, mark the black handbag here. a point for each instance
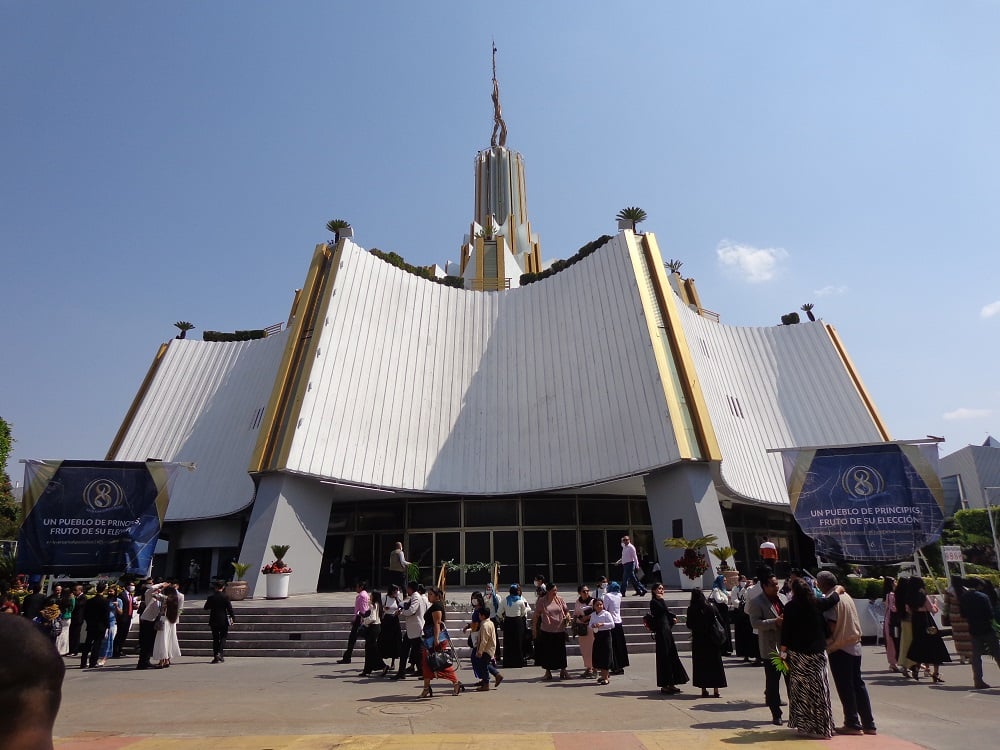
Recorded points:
(438, 661)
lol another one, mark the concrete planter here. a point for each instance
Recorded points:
(236, 590)
(277, 585)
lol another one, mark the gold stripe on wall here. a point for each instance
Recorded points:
(116, 444)
(698, 407)
(862, 391)
(659, 353)
(276, 413)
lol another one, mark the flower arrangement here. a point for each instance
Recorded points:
(722, 554)
(278, 564)
(692, 563)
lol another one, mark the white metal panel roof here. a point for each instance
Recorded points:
(204, 406)
(423, 387)
(773, 387)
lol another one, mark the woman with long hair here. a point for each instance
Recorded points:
(906, 665)
(582, 610)
(890, 624)
(373, 630)
(549, 630)
(165, 646)
(114, 612)
(599, 622)
(926, 644)
(514, 611)
(706, 654)
(669, 671)
(390, 640)
(436, 640)
(619, 647)
(803, 647)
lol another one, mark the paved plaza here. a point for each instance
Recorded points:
(277, 703)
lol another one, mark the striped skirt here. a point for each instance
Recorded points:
(809, 708)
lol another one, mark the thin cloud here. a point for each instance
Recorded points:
(990, 310)
(756, 264)
(830, 290)
(963, 413)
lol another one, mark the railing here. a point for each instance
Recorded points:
(490, 285)
(271, 330)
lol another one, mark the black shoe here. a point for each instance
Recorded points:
(345, 660)
(215, 660)
(397, 677)
(221, 657)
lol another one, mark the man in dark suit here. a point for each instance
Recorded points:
(220, 615)
(765, 611)
(95, 617)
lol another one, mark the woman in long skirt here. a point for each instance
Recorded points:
(165, 646)
(669, 671)
(582, 611)
(619, 647)
(927, 646)
(803, 646)
(706, 655)
(390, 640)
(602, 626)
(514, 612)
(373, 630)
(551, 617)
(436, 639)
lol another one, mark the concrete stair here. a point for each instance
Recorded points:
(321, 632)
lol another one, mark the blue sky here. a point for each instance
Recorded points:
(178, 161)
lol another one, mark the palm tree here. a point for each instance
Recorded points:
(807, 308)
(336, 226)
(184, 326)
(674, 266)
(632, 214)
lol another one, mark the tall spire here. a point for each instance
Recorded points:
(499, 126)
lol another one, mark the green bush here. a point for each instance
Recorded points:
(559, 265)
(251, 335)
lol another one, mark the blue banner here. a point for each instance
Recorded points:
(868, 503)
(85, 518)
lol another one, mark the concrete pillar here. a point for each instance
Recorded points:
(684, 492)
(287, 510)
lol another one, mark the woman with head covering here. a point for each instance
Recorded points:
(803, 647)
(721, 599)
(619, 648)
(514, 613)
(706, 653)
(669, 671)
(927, 646)
(549, 630)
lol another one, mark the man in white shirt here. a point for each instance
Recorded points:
(629, 562)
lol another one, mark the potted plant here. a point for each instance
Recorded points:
(276, 573)
(722, 554)
(692, 563)
(236, 589)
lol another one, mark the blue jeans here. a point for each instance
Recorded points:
(628, 576)
(482, 667)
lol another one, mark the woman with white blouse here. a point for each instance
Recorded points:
(602, 625)
(514, 612)
(619, 649)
